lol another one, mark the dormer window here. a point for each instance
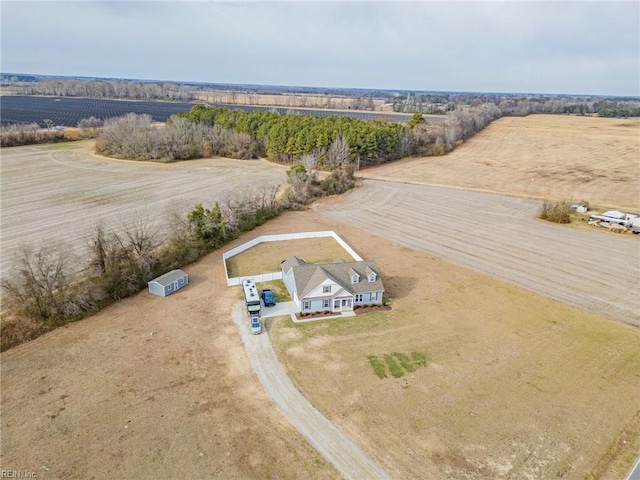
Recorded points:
(355, 277)
(371, 275)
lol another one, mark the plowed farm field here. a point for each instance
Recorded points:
(57, 194)
(545, 156)
(501, 237)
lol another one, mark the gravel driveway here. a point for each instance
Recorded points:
(325, 437)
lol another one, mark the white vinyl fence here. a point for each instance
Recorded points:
(265, 277)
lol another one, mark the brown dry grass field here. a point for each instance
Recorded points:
(567, 157)
(266, 257)
(515, 386)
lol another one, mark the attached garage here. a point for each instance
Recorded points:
(168, 283)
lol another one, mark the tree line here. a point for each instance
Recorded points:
(518, 105)
(107, 89)
(29, 134)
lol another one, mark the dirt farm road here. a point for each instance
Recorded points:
(326, 438)
(500, 236)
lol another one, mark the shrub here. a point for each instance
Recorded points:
(558, 212)
(16, 135)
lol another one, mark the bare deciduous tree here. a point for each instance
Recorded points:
(338, 152)
(310, 160)
(43, 287)
(90, 127)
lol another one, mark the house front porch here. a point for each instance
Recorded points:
(344, 304)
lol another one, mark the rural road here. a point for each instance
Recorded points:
(325, 437)
(500, 236)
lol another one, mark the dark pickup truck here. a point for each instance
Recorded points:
(267, 297)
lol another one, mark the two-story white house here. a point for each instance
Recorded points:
(332, 287)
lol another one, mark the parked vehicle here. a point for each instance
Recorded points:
(256, 326)
(251, 297)
(268, 298)
(614, 216)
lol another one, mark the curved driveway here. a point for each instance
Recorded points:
(325, 437)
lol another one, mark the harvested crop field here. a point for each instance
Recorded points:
(501, 236)
(57, 193)
(548, 156)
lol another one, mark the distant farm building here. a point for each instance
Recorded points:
(168, 283)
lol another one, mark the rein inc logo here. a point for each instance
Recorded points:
(18, 474)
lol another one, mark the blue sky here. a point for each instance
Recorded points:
(585, 47)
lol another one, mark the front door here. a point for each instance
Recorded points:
(336, 305)
(346, 304)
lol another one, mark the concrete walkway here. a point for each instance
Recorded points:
(325, 437)
(280, 309)
(289, 308)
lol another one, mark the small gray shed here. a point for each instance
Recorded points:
(168, 283)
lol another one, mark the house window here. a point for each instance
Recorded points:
(326, 289)
(358, 298)
(306, 305)
(355, 279)
(374, 296)
(325, 303)
(372, 277)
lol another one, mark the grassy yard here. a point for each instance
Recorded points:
(474, 376)
(278, 289)
(266, 257)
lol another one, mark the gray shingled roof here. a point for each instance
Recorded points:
(294, 261)
(309, 276)
(169, 277)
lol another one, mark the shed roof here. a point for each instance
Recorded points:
(169, 277)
